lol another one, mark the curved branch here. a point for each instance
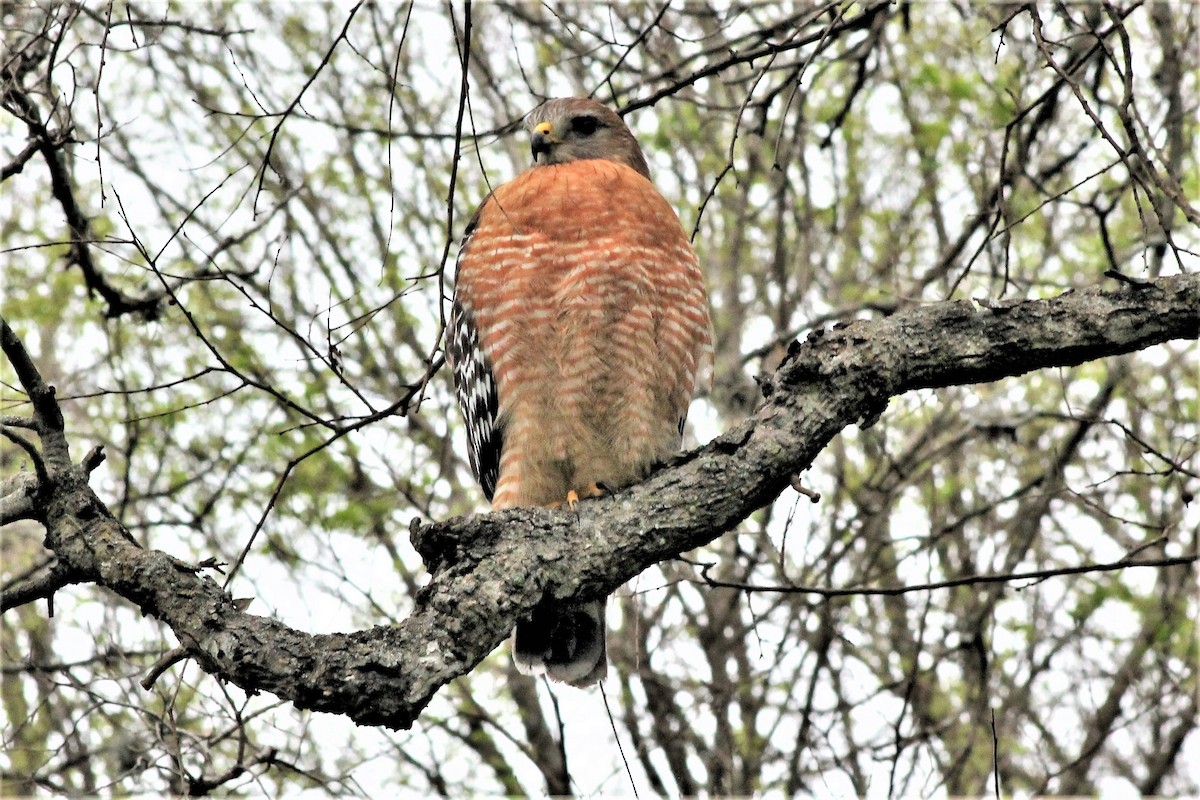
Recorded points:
(490, 569)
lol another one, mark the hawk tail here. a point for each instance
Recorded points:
(564, 640)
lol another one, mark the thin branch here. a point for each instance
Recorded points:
(266, 161)
(17, 502)
(59, 575)
(50, 145)
(19, 161)
(39, 466)
(46, 414)
(970, 580)
(164, 662)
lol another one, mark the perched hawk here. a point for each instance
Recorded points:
(579, 334)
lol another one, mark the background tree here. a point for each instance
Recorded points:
(226, 241)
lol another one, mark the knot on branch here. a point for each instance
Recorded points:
(799, 364)
(45, 403)
(432, 543)
(444, 544)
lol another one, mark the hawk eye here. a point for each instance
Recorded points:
(584, 125)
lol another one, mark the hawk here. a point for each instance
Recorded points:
(578, 335)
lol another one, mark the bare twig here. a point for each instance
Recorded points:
(164, 663)
(970, 580)
(39, 466)
(266, 159)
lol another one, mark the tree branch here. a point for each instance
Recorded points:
(38, 587)
(16, 498)
(47, 417)
(970, 580)
(50, 144)
(491, 569)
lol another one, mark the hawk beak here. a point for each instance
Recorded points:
(542, 140)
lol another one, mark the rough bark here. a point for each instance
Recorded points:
(488, 570)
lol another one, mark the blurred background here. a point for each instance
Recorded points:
(229, 231)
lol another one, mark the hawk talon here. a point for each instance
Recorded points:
(595, 490)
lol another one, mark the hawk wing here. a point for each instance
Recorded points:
(475, 385)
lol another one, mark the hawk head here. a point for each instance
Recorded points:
(576, 128)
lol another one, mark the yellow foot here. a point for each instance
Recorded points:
(593, 490)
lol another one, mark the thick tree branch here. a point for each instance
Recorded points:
(489, 570)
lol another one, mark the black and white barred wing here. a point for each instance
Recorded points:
(475, 388)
